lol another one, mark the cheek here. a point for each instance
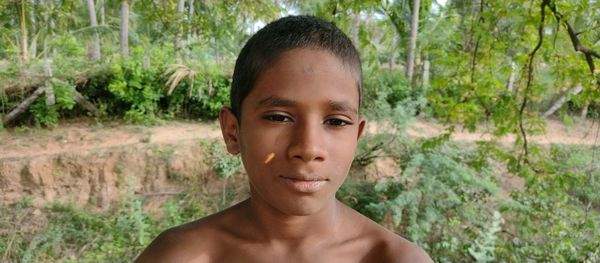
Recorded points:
(256, 146)
(342, 153)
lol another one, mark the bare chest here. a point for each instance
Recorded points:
(250, 253)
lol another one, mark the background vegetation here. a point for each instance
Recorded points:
(508, 64)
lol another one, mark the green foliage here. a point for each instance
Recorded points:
(227, 166)
(45, 115)
(67, 46)
(554, 217)
(139, 86)
(224, 164)
(466, 42)
(438, 201)
(78, 235)
(446, 199)
(483, 250)
(205, 100)
(383, 91)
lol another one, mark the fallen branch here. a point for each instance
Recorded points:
(23, 106)
(557, 104)
(85, 104)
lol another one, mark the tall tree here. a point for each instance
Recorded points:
(95, 46)
(124, 29)
(412, 46)
(102, 12)
(32, 21)
(179, 34)
(190, 19)
(24, 37)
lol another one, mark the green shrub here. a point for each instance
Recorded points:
(78, 235)
(553, 218)
(45, 115)
(138, 86)
(438, 201)
(67, 45)
(384, 90)
(202, 100)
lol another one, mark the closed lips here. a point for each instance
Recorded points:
(303, 184)
(304, 178)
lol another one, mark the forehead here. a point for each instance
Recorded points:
(307, 74)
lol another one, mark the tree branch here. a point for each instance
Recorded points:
(573, 35)
(23, 106)
(524, 155)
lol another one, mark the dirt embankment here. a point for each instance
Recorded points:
(91, 165)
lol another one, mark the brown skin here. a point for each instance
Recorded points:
(304, 109)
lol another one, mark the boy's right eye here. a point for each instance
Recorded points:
(277, 118)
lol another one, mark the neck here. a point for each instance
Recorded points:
(277, 226)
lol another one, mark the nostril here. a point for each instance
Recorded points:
(308, 157)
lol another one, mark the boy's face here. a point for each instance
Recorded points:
(304, 109)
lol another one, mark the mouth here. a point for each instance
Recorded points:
(304, 184)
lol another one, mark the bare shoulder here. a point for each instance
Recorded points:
(393, 248)
(185, 243)
(399, 250)
(387, 246)
(200, 241)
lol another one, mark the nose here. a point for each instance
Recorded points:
(307, 143)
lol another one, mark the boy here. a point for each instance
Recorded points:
(294, 120)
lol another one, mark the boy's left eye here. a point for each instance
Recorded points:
(337, 122)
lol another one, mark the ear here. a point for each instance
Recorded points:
(361, 128)
(230, 130)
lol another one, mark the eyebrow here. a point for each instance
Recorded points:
(342, 106)
(272, 101)
(275, 102)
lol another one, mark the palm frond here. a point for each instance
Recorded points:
(176, 73)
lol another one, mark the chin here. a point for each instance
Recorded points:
(303, 206)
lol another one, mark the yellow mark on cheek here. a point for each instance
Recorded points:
(269, 158)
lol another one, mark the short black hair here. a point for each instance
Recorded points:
(284, 34)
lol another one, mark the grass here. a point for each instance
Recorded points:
(71, 234)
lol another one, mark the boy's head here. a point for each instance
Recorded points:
(296, 90)
(285, 34)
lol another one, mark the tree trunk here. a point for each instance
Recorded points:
(510, 83)
(50, 99)
(24, 38)
(584, 111)
(355, 30)
(178, 36)
(52, 29)
(33, 46)
(558, 103)
(124, 29)
(95, 49)
(426, 72)
(414, 29)
(190, 16)
(392, 59)
(101, 11)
